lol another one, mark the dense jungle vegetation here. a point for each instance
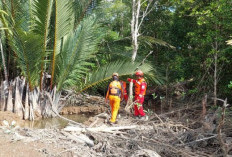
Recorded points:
(53, 50)
(78, 44)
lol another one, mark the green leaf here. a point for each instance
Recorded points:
(64, 23)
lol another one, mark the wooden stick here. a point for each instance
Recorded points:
(92, 124)
(199, 140)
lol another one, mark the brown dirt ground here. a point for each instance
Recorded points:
(9, 116)
(10, 148)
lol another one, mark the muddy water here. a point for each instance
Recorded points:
(56, 122)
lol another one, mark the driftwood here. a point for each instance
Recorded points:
(81, 138)
(98, 129)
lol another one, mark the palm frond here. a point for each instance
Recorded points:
(27, 48)
(78, 49)
(42, 13)
(124, 68)
(21, 12)
(64, 20)
(5, 21)
(151, 40)
(80, 7)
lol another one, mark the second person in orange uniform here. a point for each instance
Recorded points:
(125, 96)
(115, 95)
(139, 90)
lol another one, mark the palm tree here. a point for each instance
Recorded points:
(44, 39)
(47, 37)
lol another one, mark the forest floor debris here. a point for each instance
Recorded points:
(182, 132)
(159, 135)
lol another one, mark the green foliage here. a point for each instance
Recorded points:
(78, 50)
(28, 49)
(193, 91)
(138, 105)
(81, 47)
(230, 85)
(154, 96)
(148, 112)
(101, 76)
(45, 24)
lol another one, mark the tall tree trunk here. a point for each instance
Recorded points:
(135, 25)
(134, 47)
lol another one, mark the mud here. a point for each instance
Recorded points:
(86, 109)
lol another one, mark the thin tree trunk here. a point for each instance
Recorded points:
(31, 110)
(130, 94)
(215, 78)
(136, 22)
(3, 62)
(9, 106)
(204, 103)
(135, 27)
(3, 97)
(26, 113)
(18, 100)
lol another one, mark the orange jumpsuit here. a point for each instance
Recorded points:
(125, 96)
(114, 93)
(140, 91)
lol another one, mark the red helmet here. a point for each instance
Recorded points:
(139, 73)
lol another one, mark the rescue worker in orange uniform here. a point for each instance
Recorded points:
(140, 87)
(125, 96)
(115, 95)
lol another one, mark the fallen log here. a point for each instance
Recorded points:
(99, 129)
(81, 138)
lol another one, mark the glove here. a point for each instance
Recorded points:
(130, 80)
(106, 101)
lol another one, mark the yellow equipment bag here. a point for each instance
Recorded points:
(115, 88)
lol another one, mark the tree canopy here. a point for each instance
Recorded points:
(79, 43)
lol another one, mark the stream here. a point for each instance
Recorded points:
(56, 122)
